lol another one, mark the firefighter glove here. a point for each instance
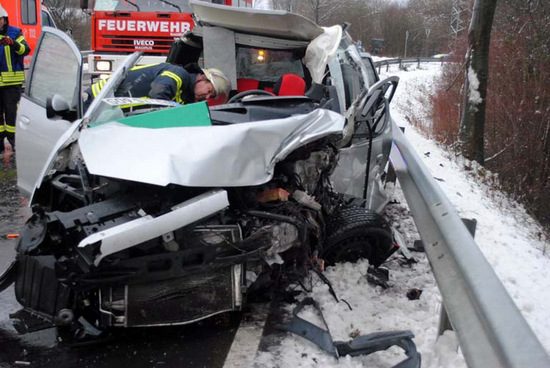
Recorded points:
(7, 41)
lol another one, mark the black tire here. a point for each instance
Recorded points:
(354, 233)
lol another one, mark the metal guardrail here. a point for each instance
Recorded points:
(400, 61)
(491, 330)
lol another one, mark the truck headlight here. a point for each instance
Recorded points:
(103, 65)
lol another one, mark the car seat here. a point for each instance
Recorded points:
(290, 85)
(246, 84)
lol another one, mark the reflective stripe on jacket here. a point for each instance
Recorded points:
(160, 81)
(11, 58)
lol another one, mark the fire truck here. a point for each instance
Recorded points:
(120, 27)
(30, 18)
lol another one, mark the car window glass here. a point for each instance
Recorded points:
(54, 78)
(47, 21)
(352, 77)
(371, 72)
(267, 65)
(28, 11)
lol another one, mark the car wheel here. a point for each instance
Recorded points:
(354, 233)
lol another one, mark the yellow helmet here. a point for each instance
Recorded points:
(221, 84)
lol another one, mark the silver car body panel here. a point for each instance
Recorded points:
(274, 23)
(349, 175)
(72, 130)
(212, 156)
(36, 134)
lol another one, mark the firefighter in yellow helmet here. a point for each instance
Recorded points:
(169, 82)
(13, 49)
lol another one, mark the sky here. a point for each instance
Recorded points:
(506, 234)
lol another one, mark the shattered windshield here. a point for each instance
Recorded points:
(172, 6)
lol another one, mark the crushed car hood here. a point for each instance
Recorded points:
(212, 156)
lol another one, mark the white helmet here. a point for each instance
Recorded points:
(3, 12)
(221, 84)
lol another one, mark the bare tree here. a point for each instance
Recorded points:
(472, 123)
(69, 17)
(287, 5)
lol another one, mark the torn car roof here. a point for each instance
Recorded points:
(275, 23)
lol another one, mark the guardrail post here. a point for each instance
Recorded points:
(444, 321)
(418, 66)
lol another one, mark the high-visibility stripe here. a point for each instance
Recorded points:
(138, 67)
(2, 129)
(10, 84)
(178, 98)
(97, 87)
(174, 76)
(12, 78)
(8, 58)
(12, 75)
(10, 129)
(22, 47)
(21, 50)
(179, 83)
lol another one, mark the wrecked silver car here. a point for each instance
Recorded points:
(170, 214)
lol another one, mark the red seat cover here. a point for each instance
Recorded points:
(246, 84)
(290, 85)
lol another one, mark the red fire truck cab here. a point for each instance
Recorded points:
(120, 27)
(30, 17)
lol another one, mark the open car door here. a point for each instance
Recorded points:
(50, 105)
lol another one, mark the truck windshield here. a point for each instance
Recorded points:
(168, 6)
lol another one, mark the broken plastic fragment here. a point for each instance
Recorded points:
(273, 195)
(305, 199)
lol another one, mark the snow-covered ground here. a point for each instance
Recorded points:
(510, 239)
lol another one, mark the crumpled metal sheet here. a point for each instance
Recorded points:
(349, 175)
(215, 156)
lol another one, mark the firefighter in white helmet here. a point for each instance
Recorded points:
(169, 82)
(13, 49)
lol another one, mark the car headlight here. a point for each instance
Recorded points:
(103, 65)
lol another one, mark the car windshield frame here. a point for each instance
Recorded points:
(101, 111)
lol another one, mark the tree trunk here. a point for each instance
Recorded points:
(472, 123)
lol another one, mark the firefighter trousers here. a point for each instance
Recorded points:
(9, 101)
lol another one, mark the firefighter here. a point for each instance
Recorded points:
(13, 49)
(168, 82)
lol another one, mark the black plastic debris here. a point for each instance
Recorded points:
(414, 294)
(360, 345)
(379, 276)
(418, 246)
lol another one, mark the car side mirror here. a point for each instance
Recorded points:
(57, 107)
